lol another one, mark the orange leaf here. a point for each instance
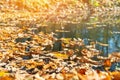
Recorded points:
(7, 78)
(107, 63)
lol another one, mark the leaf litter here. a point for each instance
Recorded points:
(32, 59)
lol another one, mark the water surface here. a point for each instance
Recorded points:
(102, 29)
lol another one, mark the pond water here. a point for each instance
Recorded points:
(104, 30)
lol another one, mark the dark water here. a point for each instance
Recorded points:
(103, 29)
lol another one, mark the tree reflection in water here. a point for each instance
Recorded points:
(102, 32)
(102, 35)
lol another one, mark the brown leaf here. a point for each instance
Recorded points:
(107, 63)
(116, 75)
(82, 71)
(7, 78)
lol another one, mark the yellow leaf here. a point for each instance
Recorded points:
(3, 73)
(10, 51)
(66, 40)
(61, 55)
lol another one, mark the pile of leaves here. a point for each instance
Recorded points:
(44, 12)
(25, 54)
(30, 55)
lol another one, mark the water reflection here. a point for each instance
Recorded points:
(103, 35)
(107, 34)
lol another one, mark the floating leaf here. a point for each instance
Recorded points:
(66, 40)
